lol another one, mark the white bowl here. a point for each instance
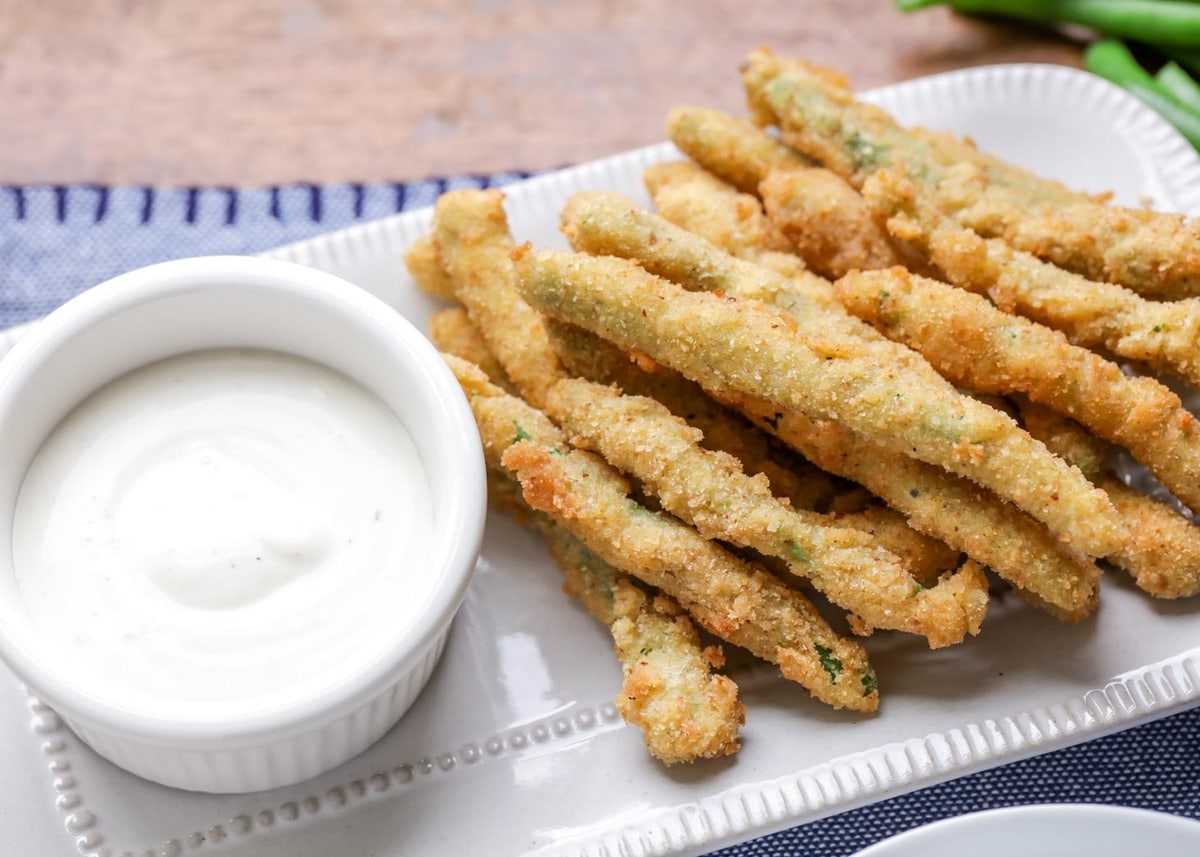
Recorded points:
(215, 302)
(1048, 830)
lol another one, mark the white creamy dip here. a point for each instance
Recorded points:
(224, 525)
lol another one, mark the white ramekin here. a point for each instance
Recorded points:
(233, 301)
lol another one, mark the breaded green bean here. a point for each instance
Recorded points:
(1163, 336)
(925, 557)
(797, 480)
(453, 332)
(470, 230)
(669, 690)
(1163, 551)
(715, 210)
(967, 518)
(710, 491)
(729, 597)
(689, 196)
(735, 601)
(734, 150)
(591, 357)
(604, 223)
(980, 347)
(1155, 254)
(738, 346)
(426, 269)
(826, 222)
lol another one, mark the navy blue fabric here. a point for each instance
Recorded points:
(1153, 766)
(57, 241)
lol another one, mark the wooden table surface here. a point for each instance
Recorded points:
(250, 92)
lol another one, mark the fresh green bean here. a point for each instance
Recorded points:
(1113, 61)
(1176, 82)
(1156, 22)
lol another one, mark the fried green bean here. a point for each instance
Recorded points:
(470, 231)
(453, 332)
(591, 357)
(710, 491)
(423, 264)
(720, 212)
(925, 557)
(1163, 550)
(1163, 336)
(796, 479)
(669, 691)
(732, 599)
(1153, 253)
(967, 518)
(729, 597)
(684, 710)
(604, 223)
(826, 222)
(735, 150)
(980, 347)
(889, 395)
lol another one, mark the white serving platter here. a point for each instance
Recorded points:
(515, 747)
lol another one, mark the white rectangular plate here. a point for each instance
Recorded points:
(515, 747)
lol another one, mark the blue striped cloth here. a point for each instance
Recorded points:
(56, 241)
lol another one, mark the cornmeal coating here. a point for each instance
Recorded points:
(669, 691)
(964, 516)
(1164, 336)
(453, 332)
(1152, 253)
(710, 491)
(690, 197)
(470, 231)
(1163, 550)
(426, 269)
(588, 356)
(794, 479)
(826, 221)
(611, 224)
(732, 346)
(730, 598)
(980, 347)
(734, 150)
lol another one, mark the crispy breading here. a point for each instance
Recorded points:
(1164, 336)
(427, 271)
(689, 196)
(1163, 550)
(669, 691)
(470, 230)
(826, 222)
(963, 515)
(733, 346)
(1156, 254)
(453, 332)
(710, 491)
(979, 347)
(595, 359)
(725, 595)
(732, 149)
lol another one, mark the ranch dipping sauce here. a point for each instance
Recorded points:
(224, 526)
